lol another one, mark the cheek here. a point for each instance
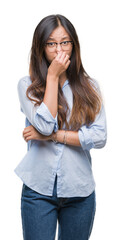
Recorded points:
(50, 56)
(70, 53)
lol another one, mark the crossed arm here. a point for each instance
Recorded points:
(55, 70)
(43, 119)
(62, 136)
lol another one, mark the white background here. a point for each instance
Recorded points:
(98, 26)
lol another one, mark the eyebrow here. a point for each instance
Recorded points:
(51, 38)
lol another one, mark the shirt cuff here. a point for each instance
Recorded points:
(84, 138)
(45, 114)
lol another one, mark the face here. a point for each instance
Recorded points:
(59, 35)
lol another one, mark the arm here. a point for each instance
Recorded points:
(39, 116)
(66, 137)
(62, 136)
(44, 117)
(51, 94)
(93, 136)
(56, 68)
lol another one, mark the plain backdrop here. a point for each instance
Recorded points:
(98, 26)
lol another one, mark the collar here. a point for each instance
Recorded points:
(65, 83)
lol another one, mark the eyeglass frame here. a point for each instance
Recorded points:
(55, 46)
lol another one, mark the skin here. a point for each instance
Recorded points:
(59, 62)
(59, 59)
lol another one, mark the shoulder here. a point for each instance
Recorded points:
(24, 82)
(95, 84)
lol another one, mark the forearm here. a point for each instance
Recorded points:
(62, 136)
(51, 94)
(66, 137)
(57, 67)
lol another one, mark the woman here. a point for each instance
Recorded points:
(65, 118)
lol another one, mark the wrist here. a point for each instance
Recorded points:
(52, 76)
(65, 137)
(59, 136)
(54, 137)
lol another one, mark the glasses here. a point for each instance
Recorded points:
(65, 45)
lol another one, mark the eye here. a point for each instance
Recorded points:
(50, 44)
(64, 43)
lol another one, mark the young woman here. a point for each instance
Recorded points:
(65, 118)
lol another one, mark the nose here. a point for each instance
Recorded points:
(58, 48)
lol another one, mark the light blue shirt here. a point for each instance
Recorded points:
(45, 159)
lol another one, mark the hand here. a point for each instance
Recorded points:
(59, 64)
(30, 133)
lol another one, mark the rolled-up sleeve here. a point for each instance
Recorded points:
(39, 116)
(95, 135)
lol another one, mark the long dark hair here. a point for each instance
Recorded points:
(86, 99)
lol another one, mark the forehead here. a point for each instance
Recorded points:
(59, 33)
